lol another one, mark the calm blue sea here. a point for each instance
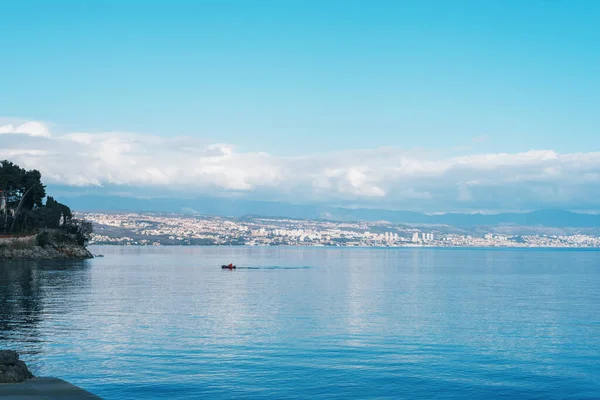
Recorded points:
(310, 323)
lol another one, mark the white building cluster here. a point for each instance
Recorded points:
(156, 229)
(422, 237)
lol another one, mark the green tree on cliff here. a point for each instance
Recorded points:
(19, 184)
(25, 210)
(57, 214)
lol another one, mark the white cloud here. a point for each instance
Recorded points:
(31, 128)
(389, 178)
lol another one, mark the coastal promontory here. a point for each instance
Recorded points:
(34, 226)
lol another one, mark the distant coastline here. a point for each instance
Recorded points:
(319, 246)
(186, 230)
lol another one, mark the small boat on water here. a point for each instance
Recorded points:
(230, 266)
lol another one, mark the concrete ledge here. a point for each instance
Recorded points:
(44, 389)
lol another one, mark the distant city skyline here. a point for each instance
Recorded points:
(420, 105)
(171, 229)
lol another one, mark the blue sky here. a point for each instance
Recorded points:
(301, 76)
(449, 78)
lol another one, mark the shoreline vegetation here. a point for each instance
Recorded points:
(34, 229)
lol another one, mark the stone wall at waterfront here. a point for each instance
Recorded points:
(28, 240)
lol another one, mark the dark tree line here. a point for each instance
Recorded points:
(22, 207)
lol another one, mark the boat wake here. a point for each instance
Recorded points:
(271, 267)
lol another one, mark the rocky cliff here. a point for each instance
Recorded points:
(44, 246)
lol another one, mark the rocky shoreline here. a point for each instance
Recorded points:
(12, 370)
(49, 245)
(69, 252)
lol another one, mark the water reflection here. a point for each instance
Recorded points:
(29, 291)
(319, 323)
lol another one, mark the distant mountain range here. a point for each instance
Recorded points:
(239, 208)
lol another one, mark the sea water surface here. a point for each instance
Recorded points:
(310, 323)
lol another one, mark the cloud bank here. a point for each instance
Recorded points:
(383, 177)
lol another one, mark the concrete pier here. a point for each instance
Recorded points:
(44, 389)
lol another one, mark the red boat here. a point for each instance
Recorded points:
(230, 266)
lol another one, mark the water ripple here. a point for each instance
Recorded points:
(145, 323)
